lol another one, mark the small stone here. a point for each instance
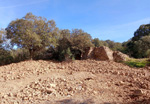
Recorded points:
(62, 67)
(115, 72)
(126, 74)
(5, 96)
(121, 82)
(117, 84)
(119, 95)
(53, 85)
(79, 88)
(10, 94)
(95, 92)
(15, 102)
(48, 91)
(138, 92)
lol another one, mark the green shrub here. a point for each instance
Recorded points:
(65, 55)
(5, 57)
(20, 55)
(137, 63)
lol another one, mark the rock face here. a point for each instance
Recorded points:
(118, 56)
(98, 53)
(103, 53)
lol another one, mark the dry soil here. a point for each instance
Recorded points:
(76, 82)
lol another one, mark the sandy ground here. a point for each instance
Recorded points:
(77, 82)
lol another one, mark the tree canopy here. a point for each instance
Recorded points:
(138, 46)
(143, 30)
(2, 32)
(73, 43)
(32, 32)
(116, 46)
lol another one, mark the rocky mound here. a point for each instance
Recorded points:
(104, 53)
(118, 56)
(77, 82)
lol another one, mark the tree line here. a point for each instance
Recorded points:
(35, 37)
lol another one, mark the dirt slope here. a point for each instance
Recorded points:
(77, 82)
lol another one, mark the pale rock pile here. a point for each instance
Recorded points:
(104, 53)
(45, 82)
(118, 56)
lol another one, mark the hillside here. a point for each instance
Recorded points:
(77, 82)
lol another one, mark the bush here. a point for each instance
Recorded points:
(65, 55)
(20, 55)
(5, 57)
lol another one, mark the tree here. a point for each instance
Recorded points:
(64, 45)
(32, 33)
(96, 42)
(143, 30)
(72, 44)
(5, 56)
(1, 39)
(116, 46)
(2, 32)
(139, 44)
(80, 40)
(143, 46)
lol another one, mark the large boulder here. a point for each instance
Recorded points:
(103, 53)
(118, 56)
(98, 53)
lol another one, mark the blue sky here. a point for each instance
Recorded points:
(116, 20)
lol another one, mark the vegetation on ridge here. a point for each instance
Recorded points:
(35, 37)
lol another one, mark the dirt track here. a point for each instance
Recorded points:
(77, 82)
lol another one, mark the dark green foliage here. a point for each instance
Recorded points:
(139, 45)
(98, 43)
(5, 57)
(65, 55)
(2, 33)
(80, 40)
(115, 46)
(20, 55)
(45, 54)
(143, 30)
(72, 44)
(1, 41)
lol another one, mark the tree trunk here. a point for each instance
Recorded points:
(31, 54)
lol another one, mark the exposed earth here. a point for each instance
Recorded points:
(76, 82)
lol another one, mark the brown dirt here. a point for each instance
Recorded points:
(77, 82)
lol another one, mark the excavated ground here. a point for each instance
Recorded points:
(77, 82)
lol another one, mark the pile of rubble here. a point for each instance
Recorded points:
(76, 82)
(104, 53)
